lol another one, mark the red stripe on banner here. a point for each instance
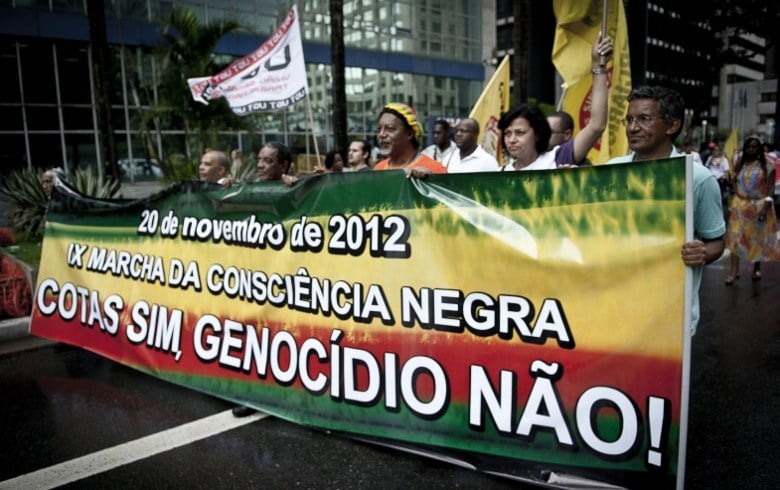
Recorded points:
(456, 353)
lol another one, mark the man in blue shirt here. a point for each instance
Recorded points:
(654, 119)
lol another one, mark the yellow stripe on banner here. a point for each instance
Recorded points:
(563, 265)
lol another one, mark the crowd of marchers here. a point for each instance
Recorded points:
(743, 184)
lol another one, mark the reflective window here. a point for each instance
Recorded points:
(33, 4)
(12, 118)
(46, 150)
(13, 155)
(80, 151)
(67, 5)
(132, 9)
(197, 8)
(392, 26)
(77, 118)
(9, 69)
(38, 73)
(74, 74)
(161, 10)
(41, 118)
(118, 118)
(426, 28)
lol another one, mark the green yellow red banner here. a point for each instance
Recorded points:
(531, 317)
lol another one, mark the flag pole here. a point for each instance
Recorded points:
(602, 58)
(311, 127)
(563, 96)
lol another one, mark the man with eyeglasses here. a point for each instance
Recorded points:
(470, 156)
(653, 121)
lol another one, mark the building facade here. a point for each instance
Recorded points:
(752, 108)
(432, 54)
(671, 43)
(422, 52)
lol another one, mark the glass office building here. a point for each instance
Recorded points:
(423, 52)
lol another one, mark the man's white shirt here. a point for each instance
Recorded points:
(478, 161)
(435, 152)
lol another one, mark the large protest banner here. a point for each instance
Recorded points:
(533, 321)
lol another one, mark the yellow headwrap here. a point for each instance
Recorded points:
(407, 115)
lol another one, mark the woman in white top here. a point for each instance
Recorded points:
(525, 132)
(718, 163)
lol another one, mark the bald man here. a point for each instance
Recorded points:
(470, 156)
(214, 167)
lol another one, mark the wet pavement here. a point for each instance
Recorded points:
(733, 432)
(68, 403)
(62, 403)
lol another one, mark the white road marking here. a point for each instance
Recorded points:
(129, 452)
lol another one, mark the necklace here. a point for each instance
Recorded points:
(401, 165)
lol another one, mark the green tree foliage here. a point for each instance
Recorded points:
(26, 203)
(23, 196)
(248, 172)
(86, 181)
(188, 52)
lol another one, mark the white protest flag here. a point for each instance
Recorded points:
(270, 78)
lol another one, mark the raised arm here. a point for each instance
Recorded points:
(599, 110)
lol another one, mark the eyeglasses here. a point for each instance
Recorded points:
(642, 120)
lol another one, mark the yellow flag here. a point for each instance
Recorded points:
(578, 25)
(730, 146)
(493, 102)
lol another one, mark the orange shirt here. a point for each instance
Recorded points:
(420, 161)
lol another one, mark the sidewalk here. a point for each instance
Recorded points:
(14, 336)
(14, 328)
